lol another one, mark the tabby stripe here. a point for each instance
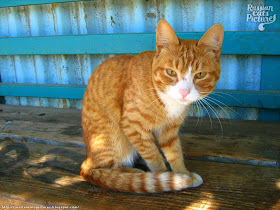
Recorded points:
(105, 179)
(172, 182)
(115, 181)
(158, 184)
(148, 157)
(131, 110)
(142, 179)
(134, 122)
(139, 142)
(169, 142)
(97, 178)
(133, 134)
(125, 127)
(130, 186)
(96, 152)
(104, 163)
(136, 183)
(171, 128)
(101, 127)
(172, 160)
(103, 158)
(123, 181)
(141, 113)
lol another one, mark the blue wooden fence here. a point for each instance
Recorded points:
(266, 44)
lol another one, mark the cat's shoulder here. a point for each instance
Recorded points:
(118, 58)
(143, 58)
(146, 54)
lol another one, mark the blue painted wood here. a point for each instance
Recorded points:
(243, 161)
(2, 99)
(271, 69)
(13, 3)
(253, 43)
(231, 98)
(42, 91)
(270, 76)
(269, 115)
(246, 98)
(270, 81)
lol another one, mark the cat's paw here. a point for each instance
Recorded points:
(196, 180)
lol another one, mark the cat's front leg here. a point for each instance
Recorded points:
(174, 155)
(143, 142)
(170, 145)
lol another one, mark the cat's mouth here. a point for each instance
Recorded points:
(184, 101)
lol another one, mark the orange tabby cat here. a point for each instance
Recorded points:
(134, 105)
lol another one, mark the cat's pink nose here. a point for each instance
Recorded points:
(184, 93)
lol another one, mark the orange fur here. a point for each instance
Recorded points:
(126, 109)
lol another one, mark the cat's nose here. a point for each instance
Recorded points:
(184, 93)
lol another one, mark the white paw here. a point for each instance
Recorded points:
(197, 180)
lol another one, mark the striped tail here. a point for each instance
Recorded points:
(117, 180)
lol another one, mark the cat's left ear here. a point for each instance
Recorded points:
(165, 35)
(213, 38)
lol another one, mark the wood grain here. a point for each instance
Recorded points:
(243, 141)
(48, 175)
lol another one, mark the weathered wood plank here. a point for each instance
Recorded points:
(14, 3)
(47, 174)
(246, 142)
(14, 202)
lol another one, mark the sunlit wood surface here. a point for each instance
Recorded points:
(41, 150)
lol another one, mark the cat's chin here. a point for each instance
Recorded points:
(184, 101)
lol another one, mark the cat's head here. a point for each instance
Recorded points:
(185, 71)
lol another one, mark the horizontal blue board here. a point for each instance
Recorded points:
(231, 98)
(13, 3)
(42, 91)
(242, 43)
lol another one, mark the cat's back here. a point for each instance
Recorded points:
(108, 76)
(106, 84)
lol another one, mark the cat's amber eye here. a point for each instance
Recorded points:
(200, 75)
(171, 72)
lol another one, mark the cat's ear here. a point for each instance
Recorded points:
(165, 35)
(213, 38)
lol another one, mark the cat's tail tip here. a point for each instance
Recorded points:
(197, 181)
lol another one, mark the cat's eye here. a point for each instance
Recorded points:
(171, 72)
(200, 75)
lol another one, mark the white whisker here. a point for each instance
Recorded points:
(228, 95)
(213, 100)
(147, 96)
(151, 103)
(199, 117)
(207, 113)
(213, 110)
(209, 97)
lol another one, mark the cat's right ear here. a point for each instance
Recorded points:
(213, 38)
(165, 35)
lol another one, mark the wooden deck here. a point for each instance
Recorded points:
(41, 150)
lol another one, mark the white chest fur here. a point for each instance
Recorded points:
(173, 108)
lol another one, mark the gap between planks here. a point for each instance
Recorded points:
(243, 142)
